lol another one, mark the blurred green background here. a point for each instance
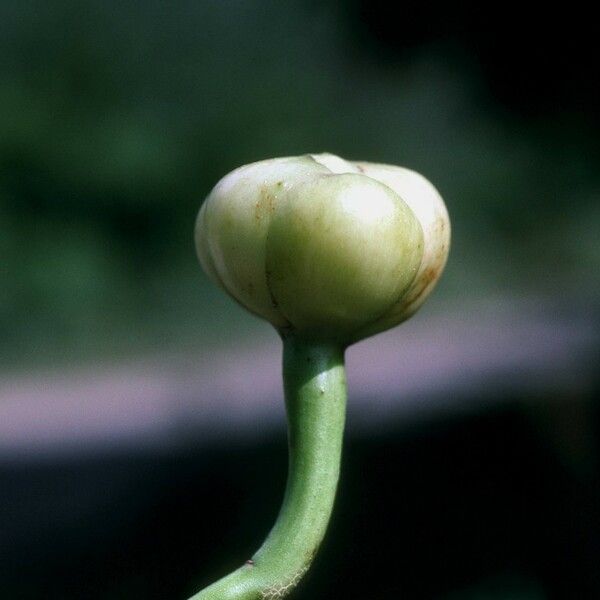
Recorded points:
(116, 119)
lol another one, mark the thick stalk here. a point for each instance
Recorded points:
(315, 394)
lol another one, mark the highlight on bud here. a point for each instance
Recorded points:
(323, 247)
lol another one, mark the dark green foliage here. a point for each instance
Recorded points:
(116, 118)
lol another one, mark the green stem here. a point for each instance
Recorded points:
(315, 393)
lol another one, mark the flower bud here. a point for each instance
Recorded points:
(322, 247)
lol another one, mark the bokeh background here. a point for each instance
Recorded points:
(142, 437)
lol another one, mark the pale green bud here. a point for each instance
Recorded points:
(323, 247)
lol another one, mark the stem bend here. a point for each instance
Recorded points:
(315, 395)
